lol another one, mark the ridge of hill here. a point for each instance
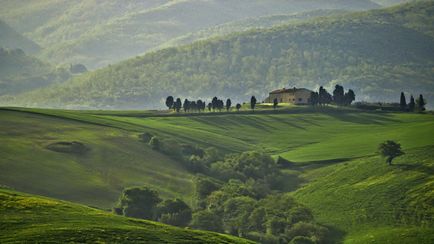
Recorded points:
(11, 39)
(97, 33)
(20, 72)
(376, 53)
(28, 218)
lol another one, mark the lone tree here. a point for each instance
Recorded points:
(411, 104)
(238, 107)
(228, 104)
(390, 150)
(421, 103)
(169, 102)
(275, 103)
(403, 102)
(253, 103)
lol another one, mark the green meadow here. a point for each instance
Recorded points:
(32, 219)
(335, 169)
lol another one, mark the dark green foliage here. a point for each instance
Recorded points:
(155, 143)
(228, 104)
(246, 165)
(238, 107)
(174, 212)
(324, 97)
(275, 103)
(169, 102)
(350, 96)
(207, 220)
(314, 98)
(253, 102)
(186, 105)
(338, 95)
(421, 103)
(178, 104)
(411, 104)
(139, 202)
(77, 68)
(403, 102)
(146, 137)
(390, 150)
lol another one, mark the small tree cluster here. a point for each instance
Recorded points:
(145, 203)
(412, 106)
(215, 105)
(339, 97)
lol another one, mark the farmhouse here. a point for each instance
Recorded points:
(292, 95)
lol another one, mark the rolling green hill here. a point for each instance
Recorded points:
(27, 218)
(20, 72)
(373, 202)
(333, 155)
(11, 39)
(97, 34)
(377, 53)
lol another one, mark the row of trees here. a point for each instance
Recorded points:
(339, 97)
(199, 106)
(412, 106)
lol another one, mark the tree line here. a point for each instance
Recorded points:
(412, 106)
(339, 97)
(215, 105)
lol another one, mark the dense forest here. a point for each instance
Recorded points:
(98, 33)
(374, 53)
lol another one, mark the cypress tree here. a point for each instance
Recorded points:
(403, 102)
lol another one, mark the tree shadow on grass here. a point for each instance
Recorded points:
(376, 118)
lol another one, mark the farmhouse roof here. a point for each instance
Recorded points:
(291, 90)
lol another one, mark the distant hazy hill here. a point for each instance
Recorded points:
(391, 2)
(20, 72)
(9, 38)
(376, 53)
(97, 33)
(247, 24)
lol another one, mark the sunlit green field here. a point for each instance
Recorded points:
(336, 172)
(31, 219)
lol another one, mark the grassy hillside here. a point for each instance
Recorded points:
(113, 159)
(20, 72)
(373, 202)
(11, 39)
(348, 187)
(28, 218)
(378, 54)
(96, 34)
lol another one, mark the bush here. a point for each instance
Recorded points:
(174, 212)
(207, 220)
(138, 202)
(146, 137)
(154, 143)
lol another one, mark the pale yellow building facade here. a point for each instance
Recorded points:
(292, 95)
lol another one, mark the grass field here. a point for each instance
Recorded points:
(337, 172)
(31, 219)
